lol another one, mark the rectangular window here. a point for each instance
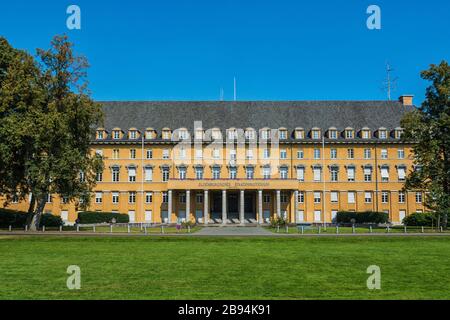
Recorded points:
(233, 173)
(266, 198)
(199, 173)
(249, 172)
(216, 153)
(132, 197)
(199, 198)
(99, 177)
(317, 215)
(384, 197)
(284, 173)
(182, 198)
(149, 154)
(216, 173)
(401, 197)
(332, 134)
(367, 174)
(351, 197)
(401, 153)
(182, 173)
(148, 197)
(384, 154)
(266, 173)
(317, 197)
(115, 174)
(317, 172)
(132, 174)
(266, 153)
(366, 134)
(249, 154)
(350, 153)
(165, 174)
(182, 153)
(334, 197)
(198, 154)
(132, 153)
(116, 134)
(401, 173)
(116, 154)
(165, 197)
(300, 154)
(351, 174)
(133, 134)
(334, 172)
(98, 197)
(283, 197)
(367, 154)
(115, 197)
(316, 154)
(382, 134)
(300, 173)
(283, 154)
(301, 197)
(384, 174)
(333, 153)
(148, 173)
(418, 197)
(316, 134)
(165, 154)
(368, 197)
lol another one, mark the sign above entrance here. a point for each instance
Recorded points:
(233, 184)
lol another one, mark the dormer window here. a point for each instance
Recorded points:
(232, 134)
(315, 133)
(250, 134)
(365, 133)
(332, 133)
(116, 134)
(133, 134)
(382, 133)
(166, 133)
(299, 133)
(183, 134)
(100, 134)
(150, 133)
(349, 133)
(265, 133)
(282, 133)
(398, 133)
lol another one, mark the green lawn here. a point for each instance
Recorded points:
(349, 230)
(224, 268)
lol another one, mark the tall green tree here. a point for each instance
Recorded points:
(429, 128)
(55, 130)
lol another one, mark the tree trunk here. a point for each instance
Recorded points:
(34, 226)
(31, 210)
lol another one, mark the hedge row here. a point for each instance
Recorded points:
(88, 217)
(425, 219)
(362, 217)
(17, 219)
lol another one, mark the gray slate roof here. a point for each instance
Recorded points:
(254, 114)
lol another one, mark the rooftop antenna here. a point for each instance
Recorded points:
(390, 84)
(234, 88)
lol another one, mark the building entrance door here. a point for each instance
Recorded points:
(233, 207)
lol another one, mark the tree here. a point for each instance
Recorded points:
(55, 130)
(429, 128)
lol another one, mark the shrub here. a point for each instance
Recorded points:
(278, 222)
(12, 218)
(425, 219)
(49, 220)
(362, 217)
(88, 217)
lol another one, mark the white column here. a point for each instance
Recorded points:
(206, 207)
(169, 207)
(295, 205)
(241, 207)
(260, 207)
(278, 203)
(224, 206)
(188, 205)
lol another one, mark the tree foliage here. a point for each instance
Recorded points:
(429, 128)
(48, 119)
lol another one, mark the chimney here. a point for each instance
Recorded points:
(406, 99)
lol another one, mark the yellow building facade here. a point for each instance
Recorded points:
(247, 162)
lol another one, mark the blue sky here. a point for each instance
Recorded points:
(278, 50)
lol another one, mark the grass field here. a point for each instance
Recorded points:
(224, 268)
